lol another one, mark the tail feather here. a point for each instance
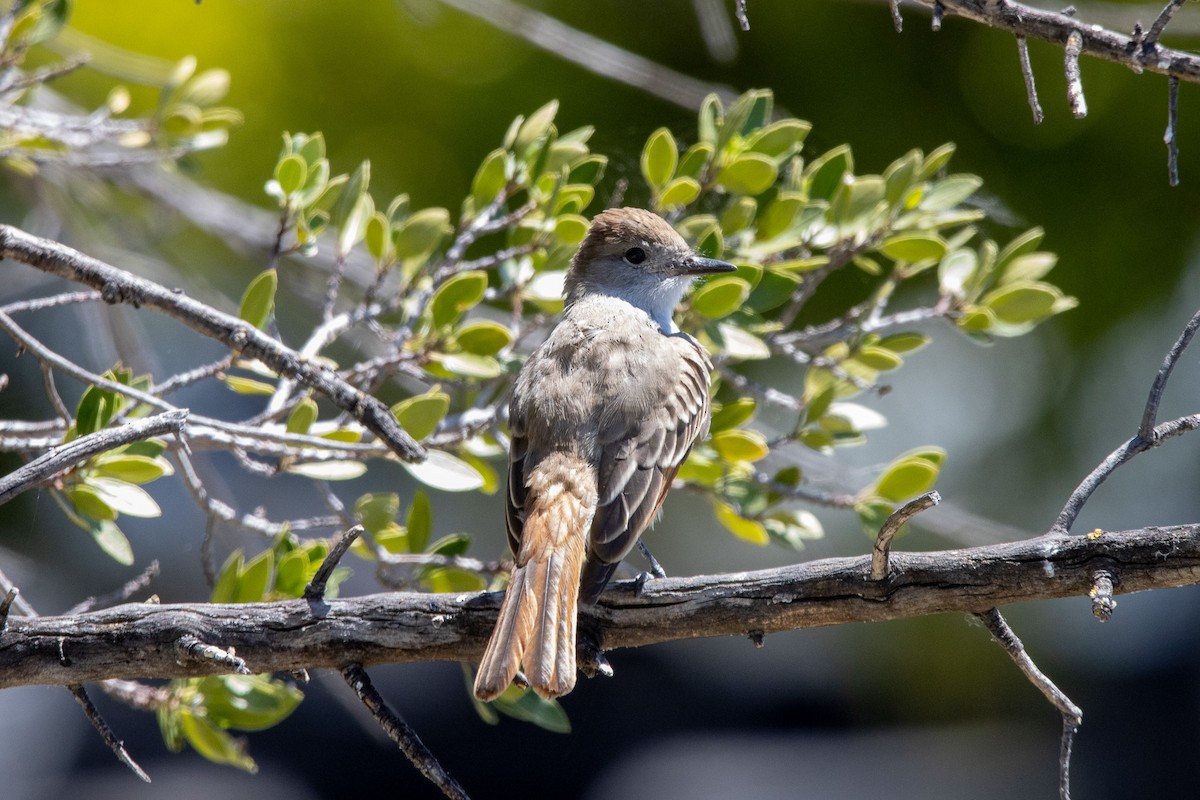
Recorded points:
(536, 625)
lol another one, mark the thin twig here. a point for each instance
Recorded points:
(1150, 414)
(897, 20)
(188, 647)
(1171, 137)
(939, 9)
(1150, 42)
(1027, 73)
(1074, 82)
(1103, 603)
(118, 286)
(1138, 444)
(743, 17)
(881, 552)
(400, 732)
(66, 456)
(315, 590)
(106, 733)
(6, 604)
(1072, 715)
(120, 595)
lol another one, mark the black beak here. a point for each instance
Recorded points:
(699, 265)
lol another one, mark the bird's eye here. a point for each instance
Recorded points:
(635, 255)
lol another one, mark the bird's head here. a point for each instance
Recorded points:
(636, 255)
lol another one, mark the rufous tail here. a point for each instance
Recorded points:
(536, 626)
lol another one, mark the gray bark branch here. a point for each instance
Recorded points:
(141, 640)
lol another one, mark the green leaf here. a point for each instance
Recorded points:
(694, 161)
(378, 237)
(711, 118)
(491, 178)
(751, 173)
(588, 170)
(525, 705)
(258, 302)
(779, 139)
(290, 173)
(254, 578)
(456, 296)
(376, 510)
(112, 541)
(92, 412)
(213, 743)
(720, 297)
(660, 156)
(731, 415)
(355, 227)
(536, 126)
(955, 271)
(935, 161)
(125, 498)
(1022, 302)
(1027, 242)
(912, 247)
(483, 337)
(419, 522)
(772, 291)
(900, 176)
(740, 445)
(873, 513)
(441, 470)
(904, 342)
(793, 528)
(949, 192)
(1027, 267)
(824, 175)
(679, 192)
(226, 586)
(452, 579)
(247, 702)
(877, 358)
(909, 475)
(422, 232)
(779, 215)
(420, 415)
(133, 468)
(249, 386)
(469, 365)
(329, 470)
(750, 530)
(87, 501)
(352, 191)
(738, 215)
(739, 344)
(302, 416)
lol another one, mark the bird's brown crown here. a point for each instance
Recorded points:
(616, 229)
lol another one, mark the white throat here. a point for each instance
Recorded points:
(657, 297)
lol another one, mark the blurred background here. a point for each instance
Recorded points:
(925, 708)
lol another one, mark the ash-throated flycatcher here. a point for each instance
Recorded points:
(602, 415)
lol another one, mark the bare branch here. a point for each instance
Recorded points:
(1151, 40)
(315, 590)
(1074, 82)
(400, 732)
(883, 542)
(118, 286)
(106, 733)
(1072, 715)
(1030, 86)
(66, 456)
(1094, 40)
(137, 640)
(120, 595)
(1103, 604)
(1171, 137)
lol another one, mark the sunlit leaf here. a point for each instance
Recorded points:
(441, 470)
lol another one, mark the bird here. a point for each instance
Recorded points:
(602, 415)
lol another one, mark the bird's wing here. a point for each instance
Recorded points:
(639, 457)
(514, 506)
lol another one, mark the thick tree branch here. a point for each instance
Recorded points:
(118, 286)
(142, 640)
